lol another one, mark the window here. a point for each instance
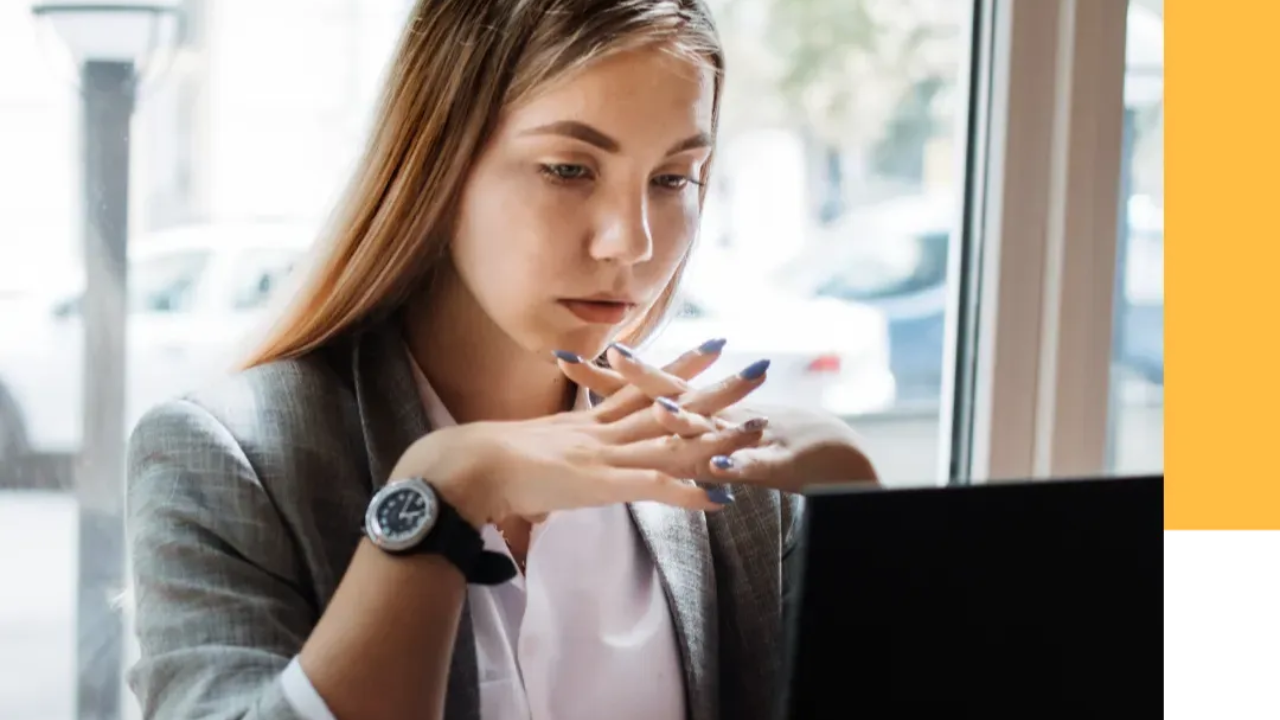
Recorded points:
(688, 308)
(868, 164)
(260, 274)
(909, 265)
(167, 284)
(839, 184)
(1136, 427)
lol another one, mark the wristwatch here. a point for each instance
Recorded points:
(409, 517)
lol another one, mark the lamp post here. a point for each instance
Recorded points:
(109, 43)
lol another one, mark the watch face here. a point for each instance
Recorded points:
(403, 514)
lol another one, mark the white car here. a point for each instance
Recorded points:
(824, 354)
(194, 295)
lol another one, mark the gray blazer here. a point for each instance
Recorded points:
(244, 503)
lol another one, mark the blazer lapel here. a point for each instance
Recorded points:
(391, 415)
(748, 572)
(677, 540)
(391, 419)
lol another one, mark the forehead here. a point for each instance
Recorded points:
(644, 91)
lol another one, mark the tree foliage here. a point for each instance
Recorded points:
(838, 68)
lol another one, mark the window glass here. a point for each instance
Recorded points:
(1137, 377)
(826, 235)
(167, 283)
(823, 247)
(261, 272)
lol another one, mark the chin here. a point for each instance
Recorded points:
(586, 342)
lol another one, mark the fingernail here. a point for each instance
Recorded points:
(625, 351)
(722, 495)
(568, 357)
(712, 346)
(754, 370)
(755, 424)
(669, 404)
(724, 462)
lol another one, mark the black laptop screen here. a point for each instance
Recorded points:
(1033, 598)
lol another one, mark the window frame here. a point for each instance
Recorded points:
(1028, 393)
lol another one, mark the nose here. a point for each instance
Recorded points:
(624, 234)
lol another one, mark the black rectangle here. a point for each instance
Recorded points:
(1028, 599)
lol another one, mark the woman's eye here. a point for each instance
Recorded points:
(674, 182)
(565, 172)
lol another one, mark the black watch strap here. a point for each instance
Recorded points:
(460, 543)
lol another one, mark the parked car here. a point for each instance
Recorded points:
(194, 294)
(823, 353)
(893, 257)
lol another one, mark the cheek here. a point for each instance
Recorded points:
(674, 223)
(517, 196)
(513, 234)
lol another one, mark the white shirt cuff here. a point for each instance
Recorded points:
(302, 695)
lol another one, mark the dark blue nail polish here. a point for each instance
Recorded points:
(754, 370)
(625, 351)
(669, 404)
(720, 495)
(724, 462)
(568, 357)
(755, 424)
(712, 346)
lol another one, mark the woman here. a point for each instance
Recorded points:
(303, 547)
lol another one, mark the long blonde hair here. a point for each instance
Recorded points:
(458, 64)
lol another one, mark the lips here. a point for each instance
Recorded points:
(599, 310)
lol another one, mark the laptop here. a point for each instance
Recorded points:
(1028, 599)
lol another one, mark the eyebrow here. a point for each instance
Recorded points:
(587, 134)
